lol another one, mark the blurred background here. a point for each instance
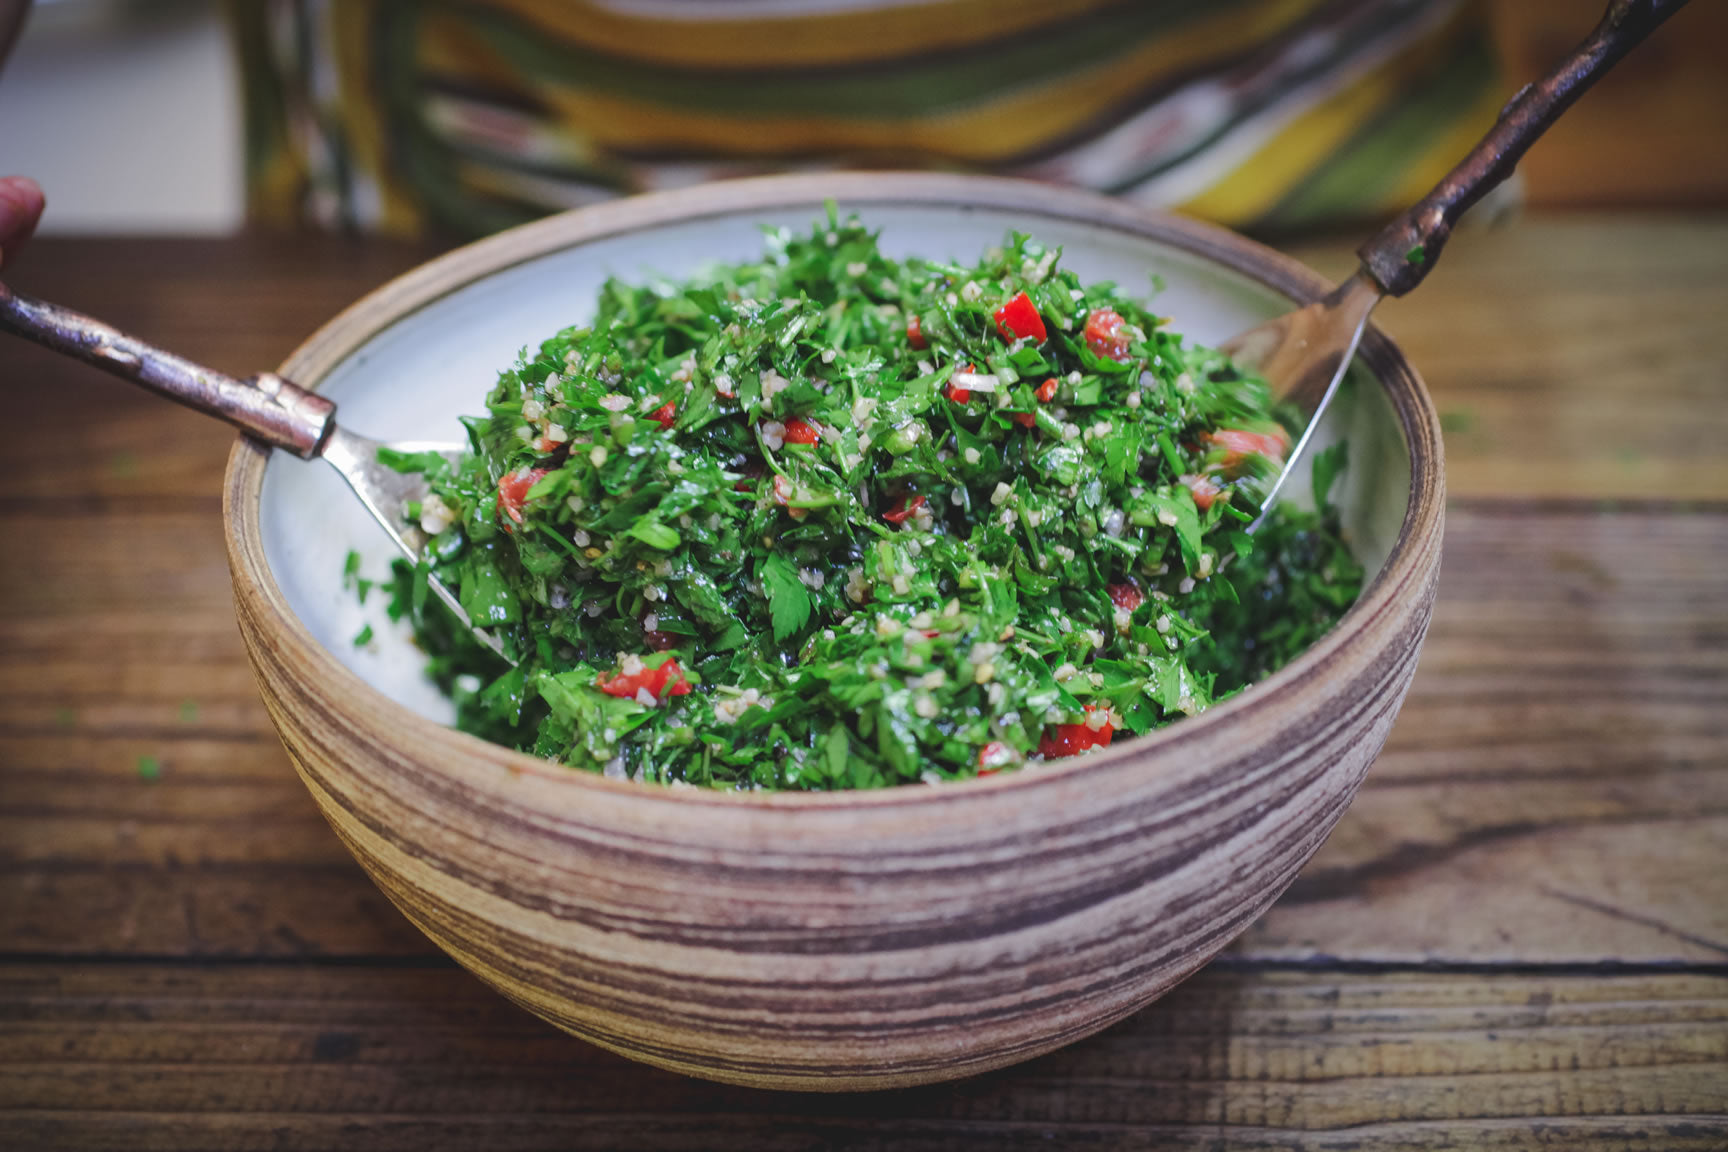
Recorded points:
(129, 114)
(191, 116)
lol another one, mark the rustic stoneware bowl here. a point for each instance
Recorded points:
(846, 941)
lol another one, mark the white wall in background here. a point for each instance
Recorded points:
(129, 116)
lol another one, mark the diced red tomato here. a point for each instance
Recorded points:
(915, 334)
(546, 444)
(1205, 489)
(1045, 393)
(726, 389)
(661, 683)
(1238, 444)
(904, 509)
(1125, 596)
(994, 757)
(1073, 739)
(1104, 335)
(513, 491)
(1018, 319)
(783, 497)
(798, 432)
(664, 415)
(956, 393)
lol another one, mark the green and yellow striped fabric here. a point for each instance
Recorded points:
(467, 117)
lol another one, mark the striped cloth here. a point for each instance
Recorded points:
(463, 118)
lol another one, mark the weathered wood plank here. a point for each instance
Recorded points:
(143, 1132)
(137, 564)
(1570, 357)
(383, 1057)
(240, 304)
(191, 910)
(1557, 785)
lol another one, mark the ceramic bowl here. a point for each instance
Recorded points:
(843, 941)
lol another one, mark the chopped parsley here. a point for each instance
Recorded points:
(831, 520)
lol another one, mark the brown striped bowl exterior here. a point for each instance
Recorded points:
(847, 941)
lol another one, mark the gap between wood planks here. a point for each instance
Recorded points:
(1223, 963)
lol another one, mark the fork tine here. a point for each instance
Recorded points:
(386, 493)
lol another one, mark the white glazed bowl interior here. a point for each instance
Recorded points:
(416, 377)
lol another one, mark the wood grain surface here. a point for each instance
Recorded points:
(1516, 938)
(283, 1058)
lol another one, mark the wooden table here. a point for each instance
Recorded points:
(1518, 937)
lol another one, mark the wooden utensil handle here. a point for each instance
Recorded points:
(275, 410)
(1401, 255)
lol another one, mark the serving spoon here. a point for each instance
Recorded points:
(1303, 354)
(266, 406)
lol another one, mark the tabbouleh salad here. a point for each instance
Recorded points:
(832, 520)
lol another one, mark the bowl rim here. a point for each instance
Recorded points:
(258, 595)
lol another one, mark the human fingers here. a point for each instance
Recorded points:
(20, 208)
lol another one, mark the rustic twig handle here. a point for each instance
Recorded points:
(1401, 255)
(266, 406)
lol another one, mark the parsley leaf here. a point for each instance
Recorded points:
(788, 599)
(1329, 464)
